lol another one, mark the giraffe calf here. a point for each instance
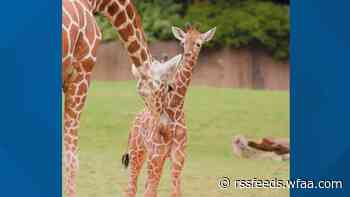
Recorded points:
(156, 138)
(146, 134)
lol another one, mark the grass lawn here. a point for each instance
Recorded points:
(213, 116)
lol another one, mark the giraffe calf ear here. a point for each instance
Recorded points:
(170, 67)
(135, 72)
(178, 33)
(207, 36)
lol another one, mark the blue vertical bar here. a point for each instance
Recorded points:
(320, 94)
(30, 117)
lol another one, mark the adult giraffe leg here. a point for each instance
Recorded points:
(75, 92)
(177, 155)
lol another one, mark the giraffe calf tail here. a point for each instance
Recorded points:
(125, 160)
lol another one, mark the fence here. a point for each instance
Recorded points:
(232, 68)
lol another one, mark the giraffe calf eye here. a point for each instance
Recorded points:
(170, 88)
(198, 45)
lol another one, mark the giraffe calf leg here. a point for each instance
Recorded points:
(136, 155)
(177, 155)
(155, 168)
(137, 159)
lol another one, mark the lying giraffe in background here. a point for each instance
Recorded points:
(271, 149)
(166, 137)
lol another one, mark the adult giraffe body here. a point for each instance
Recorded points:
(80, 39)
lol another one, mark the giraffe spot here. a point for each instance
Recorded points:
(88, 77)
(73, 132)
(88, 64)
(187, 74)
(121, 18)
(79, 69)
(70, 112)
(82, 89)
(67, 64)
(77, 100)
(138, 22)
(170, 113)
(79, 78)
(113, 8)
(80, 107)
(68, 124)
(126, 32)
(65, 41)
(158, 106)
(177, 116)
(94, 49)
(133, 47)
(82, 48)
(130, 10)
(75, 142)
(122, 1)
(68, 6)
(71, 90)
(136, 61)
(67, 140)
(143, 55)
(176, 100)
(182, 90)
(83, 99)
(103, 5)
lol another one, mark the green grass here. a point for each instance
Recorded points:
(213, 117)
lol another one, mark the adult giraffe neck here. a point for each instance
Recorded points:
(123, 15)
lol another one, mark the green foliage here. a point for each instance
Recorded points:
(240, 23)
(108, 31)
(158, 16)
(245, 23)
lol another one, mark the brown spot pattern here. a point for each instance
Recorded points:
(133, 47)
(121, 17)
(113, 8)
(143, 55)
(136, 61)
(103, 5)
(126, 32)
(130, 11)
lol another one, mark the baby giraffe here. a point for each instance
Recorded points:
(148, 122)
(166, 137)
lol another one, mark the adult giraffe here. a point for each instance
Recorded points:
(80, 39)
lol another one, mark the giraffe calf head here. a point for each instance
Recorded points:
(239, 143)
(154, 87)
(191, 39)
